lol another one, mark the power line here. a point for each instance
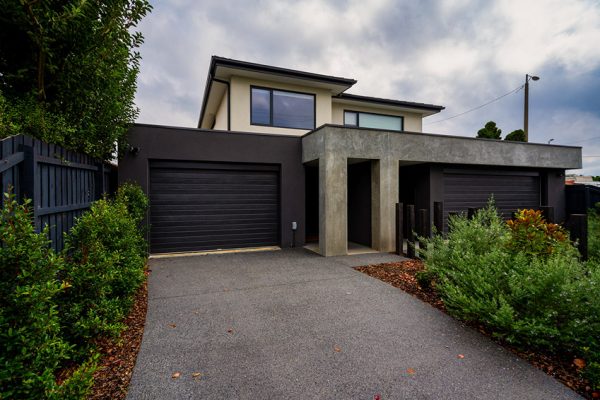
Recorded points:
(478, 107)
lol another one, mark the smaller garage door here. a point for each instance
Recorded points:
(206, 206)
(511, 190)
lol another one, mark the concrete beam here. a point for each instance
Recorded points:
(421, 147)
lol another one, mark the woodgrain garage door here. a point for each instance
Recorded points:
(511, 190)
(206, 206)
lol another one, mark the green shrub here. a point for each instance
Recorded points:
(425, 279)
(526, 294)
(134, 198)
(27, 116)
(136, 202)
(516, 136)
(105, 268)
(533, 235)
(31, 346)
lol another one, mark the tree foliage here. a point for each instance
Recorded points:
(490, 131)
(71, 62)
(516, 136)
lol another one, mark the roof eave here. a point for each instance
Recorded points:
(389, 102)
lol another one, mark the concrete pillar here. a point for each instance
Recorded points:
(333, 204)
(384, 196)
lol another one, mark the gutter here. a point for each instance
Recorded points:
(207, 88)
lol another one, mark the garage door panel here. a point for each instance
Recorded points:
(167, 179)
(511, 192)
(217, 237)
(231, 196)
(172, 248)
(214, 219)
(188, 230)
(200, 206)
(215, 210)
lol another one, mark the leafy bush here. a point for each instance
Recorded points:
(531, 234)
(27, 116)
(136, 201)
(105, 268)
(536, 295)
(134, 198)
(31, 346)
(79, 61)
(425, 279)
(516, 136)
(490, 131)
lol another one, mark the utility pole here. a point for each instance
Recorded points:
(526, 105)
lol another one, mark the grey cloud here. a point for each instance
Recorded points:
(389, 51)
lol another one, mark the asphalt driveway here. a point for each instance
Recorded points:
(294, 325)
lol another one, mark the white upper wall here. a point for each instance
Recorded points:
(240, 105)
(227, 100)
(221, 116)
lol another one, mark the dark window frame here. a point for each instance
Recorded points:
(372, 113)
(270, 90)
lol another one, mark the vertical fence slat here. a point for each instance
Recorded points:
(438, 216)
(410, 231)
(47, 177)
(399, 228)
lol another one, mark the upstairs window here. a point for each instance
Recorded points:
(375, 121)
(282, 109)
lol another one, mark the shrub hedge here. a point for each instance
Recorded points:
(523, 280)
(53, 306)
(103, 252)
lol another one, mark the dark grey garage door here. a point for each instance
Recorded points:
(206, 206)
(511, 190)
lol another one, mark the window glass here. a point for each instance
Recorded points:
(380, 121)
(261, 107)
(293, 110)
(350, 118)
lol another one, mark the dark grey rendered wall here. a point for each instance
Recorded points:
(155, 142)
(552, 184)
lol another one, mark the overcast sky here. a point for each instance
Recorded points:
(459, 54)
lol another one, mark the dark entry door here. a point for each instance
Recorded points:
(206, 206)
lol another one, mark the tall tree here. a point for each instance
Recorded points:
(490, 131)
(75, 61)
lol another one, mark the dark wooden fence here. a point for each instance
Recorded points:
(61, 183)
(406, 227)
(581, 197)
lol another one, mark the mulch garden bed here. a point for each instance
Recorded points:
(402, 276)
(118, 356)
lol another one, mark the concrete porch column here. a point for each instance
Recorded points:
(333, 204)
(384, 196)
